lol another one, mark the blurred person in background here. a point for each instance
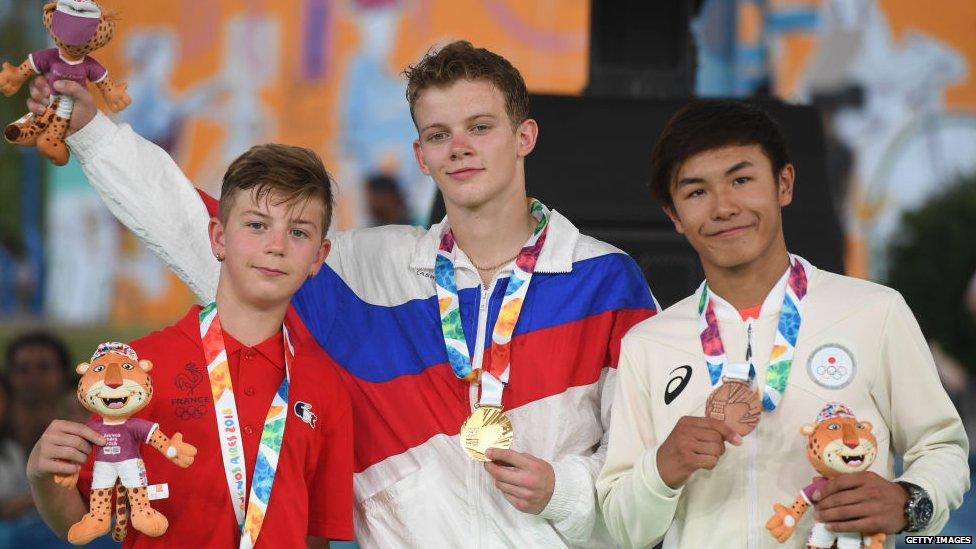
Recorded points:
(15, 500)
(35, 388)
(385, 201)
(38, 367)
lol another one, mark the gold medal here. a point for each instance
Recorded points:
(486, 427)
(735, 403)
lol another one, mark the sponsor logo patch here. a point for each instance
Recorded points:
(680, 377)
(304, 412)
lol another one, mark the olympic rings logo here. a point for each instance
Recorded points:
(190, 412)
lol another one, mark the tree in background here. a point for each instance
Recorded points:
(932, 264)
(21, 197)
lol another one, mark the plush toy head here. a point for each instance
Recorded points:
(839, 443)
(114, 384)
(78, 27)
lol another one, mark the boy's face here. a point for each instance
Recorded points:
(467, 144)
(727, 203)
(270, 249)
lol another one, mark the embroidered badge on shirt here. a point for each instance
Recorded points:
(304, 412)
(831, 366)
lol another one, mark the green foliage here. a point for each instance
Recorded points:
(933, 263)
(12, 50)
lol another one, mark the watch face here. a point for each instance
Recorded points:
(923, 512)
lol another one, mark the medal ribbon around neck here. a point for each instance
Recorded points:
(251, 519)
(781, 358)
(515, 291)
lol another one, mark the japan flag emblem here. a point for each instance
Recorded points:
(304, 412)
(831, 366)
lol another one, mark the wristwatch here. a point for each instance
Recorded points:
(918, 507)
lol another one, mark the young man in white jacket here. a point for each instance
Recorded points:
(797, 337)
(417, 318)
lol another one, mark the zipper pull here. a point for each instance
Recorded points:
(752, 369)
(484, 298)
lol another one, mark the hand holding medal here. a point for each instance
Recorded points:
(734, 407)
(487, 427)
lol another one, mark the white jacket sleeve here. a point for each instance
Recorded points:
(925, 427)
(145, 190)
(637, 505)
(572, 509)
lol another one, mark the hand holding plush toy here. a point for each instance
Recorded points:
(115, 385)
(838, 444)
(78, 28)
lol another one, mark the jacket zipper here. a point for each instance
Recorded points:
(477, 357)
(752, 451)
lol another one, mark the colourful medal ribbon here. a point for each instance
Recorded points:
(781, 358)
(515, 291)
(228, 427)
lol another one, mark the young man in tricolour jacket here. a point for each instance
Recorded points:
(503, 302)
(687, 470)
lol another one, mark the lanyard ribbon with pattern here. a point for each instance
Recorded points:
(249, 518)
(515, 291)
(781, 358)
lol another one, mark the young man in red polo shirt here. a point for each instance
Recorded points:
(270, 237)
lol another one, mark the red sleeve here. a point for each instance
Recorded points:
(330, 495)
(210, 202)
(623, 321)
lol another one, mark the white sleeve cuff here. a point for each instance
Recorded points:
(651, 478)
(570, 483)
(152, 430)
(84, 143)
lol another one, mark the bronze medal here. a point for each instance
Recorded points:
(735, 403)
(486, 427)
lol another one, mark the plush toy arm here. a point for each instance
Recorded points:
(876, 541)
(174, 448)
(66, 481)
(12, 78)
(114, 93)
(782, 524)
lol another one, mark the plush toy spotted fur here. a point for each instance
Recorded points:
(78, 28)
(838, 443)
(115, 385)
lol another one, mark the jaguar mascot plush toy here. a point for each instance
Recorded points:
(838, 443)
(115, 385)
(78, 28)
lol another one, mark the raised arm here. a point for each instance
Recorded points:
(142, 186)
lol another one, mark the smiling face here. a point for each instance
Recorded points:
(468, 145)
(270, 247)
(840, 445)
(727, 203)
(114, 386)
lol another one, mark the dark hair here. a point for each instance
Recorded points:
(711, 124)
(41, 338)
(293, 174)
(462, 61)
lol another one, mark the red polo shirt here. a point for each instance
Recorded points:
(312, 492)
